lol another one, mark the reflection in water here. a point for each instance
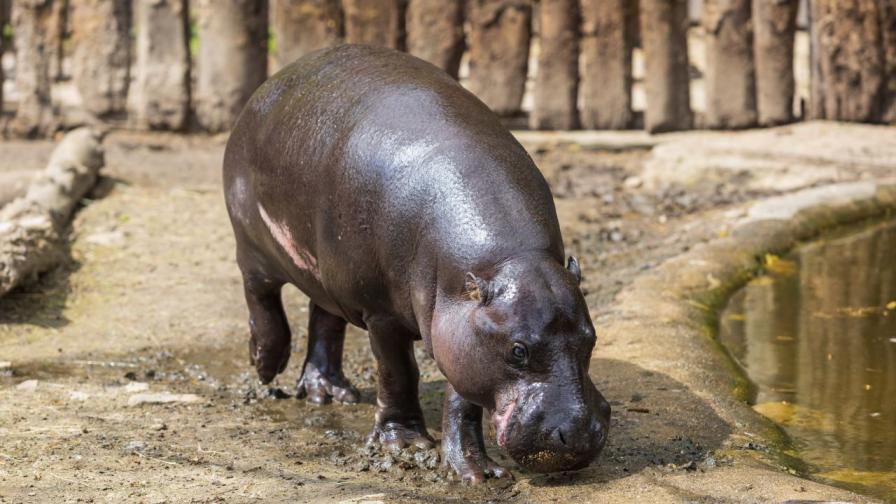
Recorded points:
(818, 339)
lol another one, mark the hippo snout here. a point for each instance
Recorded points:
(551, 437)
(581, 441)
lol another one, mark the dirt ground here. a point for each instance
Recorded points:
(149, 301)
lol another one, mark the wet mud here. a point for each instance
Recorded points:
(124, 374)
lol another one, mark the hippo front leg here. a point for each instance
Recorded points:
(399, 419)
(463, 447)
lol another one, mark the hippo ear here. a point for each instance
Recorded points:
(477, 289)
(572, 264)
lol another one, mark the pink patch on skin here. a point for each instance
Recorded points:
(302, 259)
(501, 420)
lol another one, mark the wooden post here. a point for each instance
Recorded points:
(232, 59)
(815, 107)
(59, 29)
(101, 59)
(667, 83)
(436, 32)
(888, 29)
(162, 86)
(499, 52)
(730, 73)
(848, 61)
(774, 26)
(607, 41)
(373, 22)
(4, 19)
(557, 80)
(32, 26)
(303, 26)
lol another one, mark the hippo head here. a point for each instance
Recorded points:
(521, 348)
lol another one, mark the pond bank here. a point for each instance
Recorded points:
(673, 310)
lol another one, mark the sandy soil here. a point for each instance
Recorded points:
(149, 301)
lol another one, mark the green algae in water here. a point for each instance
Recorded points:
(817, 337)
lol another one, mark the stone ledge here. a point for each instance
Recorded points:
(676, 305)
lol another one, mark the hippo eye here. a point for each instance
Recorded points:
(519, 352)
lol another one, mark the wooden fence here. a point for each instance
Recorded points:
(192, 65)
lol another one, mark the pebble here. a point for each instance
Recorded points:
(133, 387)
(135, 446)
(77, 395)
(27, 386)
(633, 182)
(162, 398)
(106, 238)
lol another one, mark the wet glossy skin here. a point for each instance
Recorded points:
(397, 202)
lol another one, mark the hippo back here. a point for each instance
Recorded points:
(386, 173)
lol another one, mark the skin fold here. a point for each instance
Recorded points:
(397, 202)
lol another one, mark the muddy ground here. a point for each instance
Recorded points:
(149, 300)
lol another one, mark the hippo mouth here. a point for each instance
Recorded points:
(501, 419)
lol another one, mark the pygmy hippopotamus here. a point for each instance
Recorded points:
(398, 202)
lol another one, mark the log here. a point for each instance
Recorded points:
(557, 80)
(666, 81)
(32, 228)
(303, 26)
(162, 85)
(32, 23)
(774, 27)
(374, 22)
(14, 184)
(232, 59)
(101, 58)
(730, 77)
(606, 82)
(435, 32)
(499, 52)
(848, 61)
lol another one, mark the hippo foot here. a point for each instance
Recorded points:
(472, 468)
(317, 388)
(269, 359)
(394, 436)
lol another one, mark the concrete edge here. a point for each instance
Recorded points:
(676, 304)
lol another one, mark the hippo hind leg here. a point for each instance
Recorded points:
(269, 344)
(322, 379)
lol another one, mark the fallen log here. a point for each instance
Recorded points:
(32, 227)
(14, 184)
